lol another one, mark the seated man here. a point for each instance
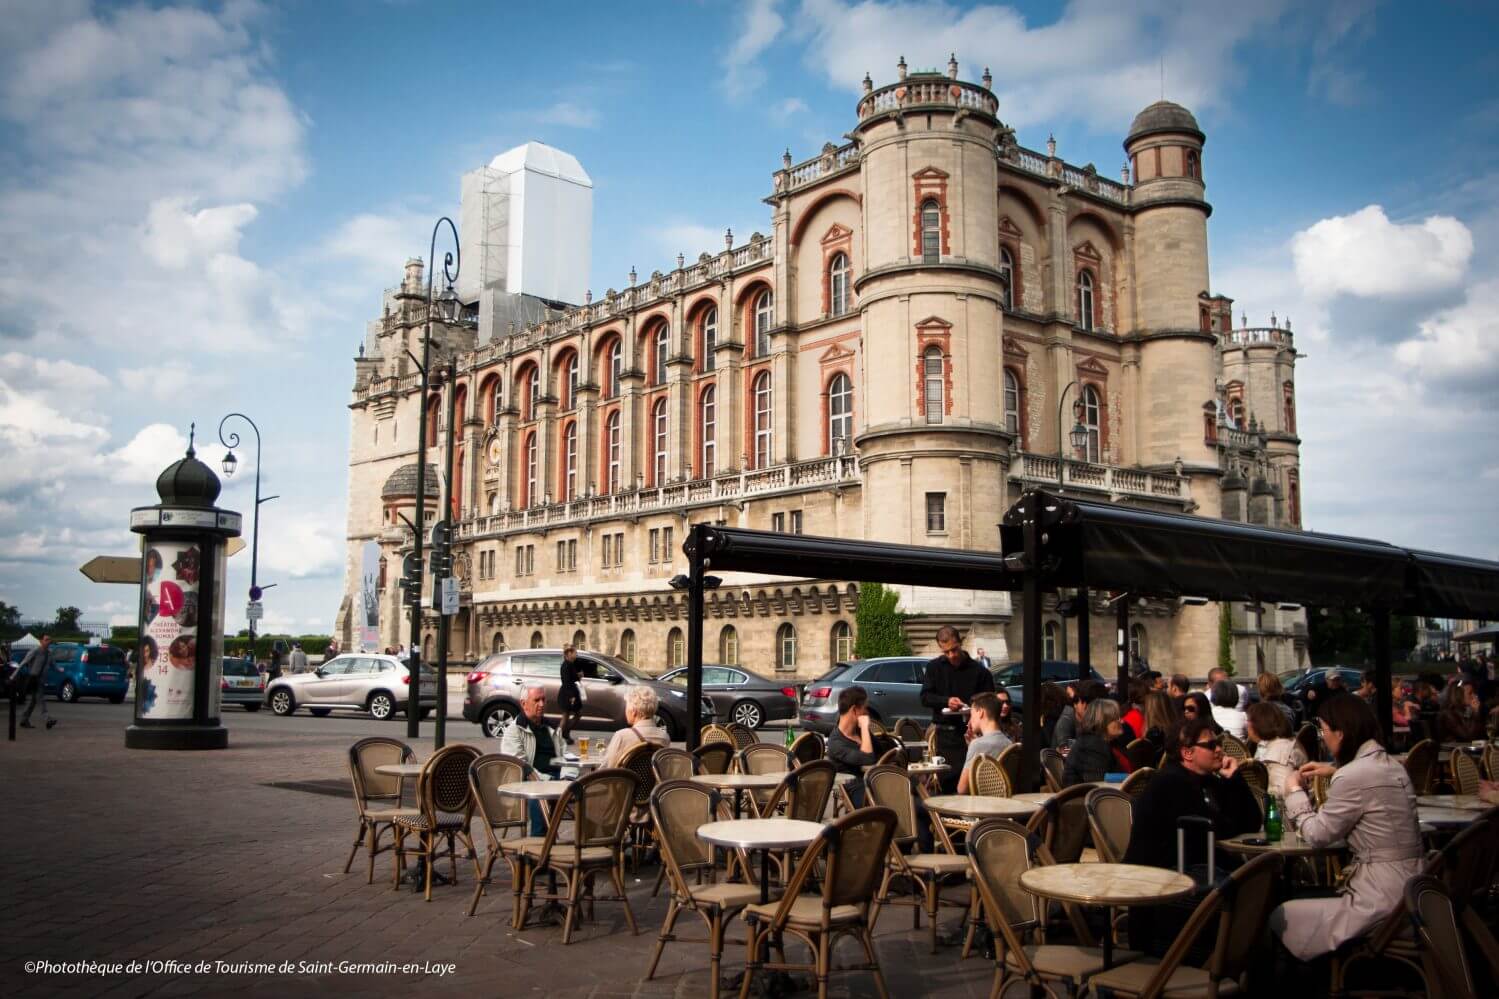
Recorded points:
(1201, 781)
(535, 743)
(989, 740)
(850, 745)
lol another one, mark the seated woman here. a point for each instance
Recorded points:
(1134, 718)
(1162, 721)
(1272, 691)
(1226, 711)
(1372, 806)
(641, 705)
(1091, 756)
(1195, 707)
(1274, 747)
(1459, 719)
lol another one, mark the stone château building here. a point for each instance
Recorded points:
(932, 307)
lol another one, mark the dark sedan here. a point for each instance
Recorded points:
(1011, 676)
(1306, 690)
(741, 696)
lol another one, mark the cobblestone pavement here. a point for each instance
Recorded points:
(117, 856)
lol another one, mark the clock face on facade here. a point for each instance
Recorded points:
(494, 451)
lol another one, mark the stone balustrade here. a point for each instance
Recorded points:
(1036, 469)
(1253, 336)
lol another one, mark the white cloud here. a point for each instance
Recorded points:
(790, 106)
(1459, 344)
(569, 115)
(379, 244)
(1365, 254)
(143, 457)
(760, 23)
(175, 235)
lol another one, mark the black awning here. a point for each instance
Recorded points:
(733, 549)
(1113, 547)
(1453, 586)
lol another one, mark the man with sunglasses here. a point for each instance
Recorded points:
(952, 679)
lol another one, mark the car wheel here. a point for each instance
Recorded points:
(282, 703)
(382, 706)
(252, 707)
(496, 718)
(117, 699)
(68, 694)
(748, 714)
(320, 712)
(673, 730)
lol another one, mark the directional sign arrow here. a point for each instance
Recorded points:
(127, 568)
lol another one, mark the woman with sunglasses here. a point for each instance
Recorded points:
(1195, 707)
(1372, 806)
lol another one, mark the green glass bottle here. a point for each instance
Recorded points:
(1273, 828)
(790, 736)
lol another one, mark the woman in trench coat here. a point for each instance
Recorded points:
(1370, 805)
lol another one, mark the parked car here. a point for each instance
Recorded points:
(740, 695)
(1314, 681)
(892, 682)
(84, 671)
(496, 686)
(242, 684)
(359, 681)
(1011, 676)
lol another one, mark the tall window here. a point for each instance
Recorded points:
(1194, 166)
(658, 464)
(580, 640)
(709, 424)
(570, 463)
(1085, 299)
(1236, 412)
(616, 365)
(840, 413)
(931, 232)
(1139, 647)
(627, 646)
(572, 382)
(786, 647)
(497, 643)
(531, 497)
(1051, 641)
(660, 344)
(764, 316)
(763, 429)
(710, 336)
(1091, 413)
(728, 646)
(1012, 404)
(843, 642)
(936, 513)
(932, 365)
(611, 432)
(1007, 271)
(1289, 392)
(838, 284)
(676, 649)
(536, 640)
(533, 391)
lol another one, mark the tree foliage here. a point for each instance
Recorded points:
(1226, 638)
(881, 625)
(1345, 636)
(67, 619)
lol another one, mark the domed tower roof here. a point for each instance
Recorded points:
(402, 483)
(1163, 116)
(188, 482)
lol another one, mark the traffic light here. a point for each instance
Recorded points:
(411, 579)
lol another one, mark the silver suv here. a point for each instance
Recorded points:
(358, 681)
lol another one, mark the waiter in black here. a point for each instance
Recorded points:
(952, 680)
(569, 696)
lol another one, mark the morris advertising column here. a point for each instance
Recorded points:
(181, 611)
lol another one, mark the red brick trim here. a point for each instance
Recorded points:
(806, 214)
(604, 415)
(562, 462)
(699, 438)
(930, 184)
(934, 332)
(836, 361)
(656, 395)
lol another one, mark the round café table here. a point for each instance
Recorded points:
(402, 770)
(1447, 818)
(1290, 844)
(764, 835)
(979, 806)
(1107, 885)
(1463, 802)
(1039, 798)
(417, 872)
(739, 783)
(536, 790)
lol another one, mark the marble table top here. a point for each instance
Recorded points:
(1106, 884)
(400, 769)
(1291, 845)
(731, 781)
(760, 834)
(1463, 802)
(539, 789)
(976, 806)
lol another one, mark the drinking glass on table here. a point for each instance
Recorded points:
(583, 746)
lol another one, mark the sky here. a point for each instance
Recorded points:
(201, 204)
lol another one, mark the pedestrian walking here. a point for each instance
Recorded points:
(298, 658)
(983, 659)
(570, 695)
(34, 668)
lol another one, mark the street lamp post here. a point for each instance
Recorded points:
(448, 302)
(230, 463)
(1079, 436)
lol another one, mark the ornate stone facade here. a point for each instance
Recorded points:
(932, 307)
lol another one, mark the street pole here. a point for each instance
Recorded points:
(696, 565)
(445, 620)
(1061, 458)
(231, 441)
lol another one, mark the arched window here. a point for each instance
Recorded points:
(932, 368)
(497, 643)
(570, 463)
(434, 410)
(786, 647)
(764, 316)
(579, 639)
(627, 646)
(842, 645)
(536, 640)
(676, 649)
(533, 392)
(658, 452)
(1007, 271)
(728, 646)
(710, 337)
(1194, 165)
(611, 434)
(572, 382)
(838, 284)
(1091, 414)
(530, 497)
(708, 421)
(660, 344)
(931, 232)
(616, 366)
(1236, 412)
(1139, 645)
(1051, 641)
(1085, 299)
(840, 413)
(763, 428)
(1012, 404)
(1289, 392)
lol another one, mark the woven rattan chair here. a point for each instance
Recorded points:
(1320, 785)
(1257, 776)
(894, 757)
(909, 730)
(809, 746)
(678, 809)
(714, 757)
(1438, 938)
(1464, 773)
(762, 758)
(1010, 762)
(1141, 753)
(1238, 909)
(716, 733)
(445, 804)
(1053, 765)
(1135, 784)
(639, 759)
(673, 764)
(377, 798)
(1491, 760)
(600, 805)
(1110, 818)
(890, 787)
(804, 794)
(987, 776)
(1421, 765)
(743, 736)
(1309, 741)
(847, 858)
(1235, 747)
(499, 813)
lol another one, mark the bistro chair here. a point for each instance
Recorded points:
(639, 760)
(1135, 784)
(1310, 742)
(988, 776)
(678, 809)
(808, 746)
(1464, 773)
(445, 804)
(717, 733)
(1141, 753)
(890, 788)
(1491, 760)
(1110, 818)
(1421, 765)
(377, 798)
(1257, 776)
(499, 813)
(673, 764)
(852, 852)
(1234, 746)
(1438, 938)
(714, 757)
(742, 736)
(894, 757)
(909, 730)
(1053, 766)
(1009, 762)
(600, 805)
(763, 758)
(1240, 907)
(804, 793)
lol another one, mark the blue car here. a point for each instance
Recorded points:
(84, 671)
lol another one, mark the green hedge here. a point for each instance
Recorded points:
(313, 645)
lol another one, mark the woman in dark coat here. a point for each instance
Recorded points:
(1091, 756)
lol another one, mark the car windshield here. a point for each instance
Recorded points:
(239, 667)
(620, 666)
(106, 655)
